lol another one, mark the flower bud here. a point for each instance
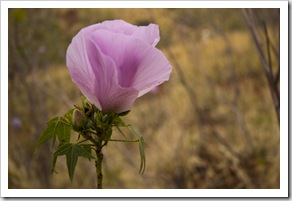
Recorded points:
(79, 120)
(87, 107)
(105, 118)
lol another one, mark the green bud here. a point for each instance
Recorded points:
(87, 107)
(79, 120)
(104, 118)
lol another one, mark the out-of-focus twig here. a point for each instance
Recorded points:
(251, 20)
(233, 103)
(190, 92)
(235, 110)
(225, 144)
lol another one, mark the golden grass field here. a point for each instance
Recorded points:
(212, 125)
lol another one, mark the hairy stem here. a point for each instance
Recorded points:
(98, 166)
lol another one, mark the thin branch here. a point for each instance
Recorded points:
(115, 140)
(256, 41)
(190, 92)
(277, 76)
(226, 145)
(235, 110)
(268, 49)
(250, 20)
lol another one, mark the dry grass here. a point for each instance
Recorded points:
(215, 127)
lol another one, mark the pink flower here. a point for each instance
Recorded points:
(114, 62)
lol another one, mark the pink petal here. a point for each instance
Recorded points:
(117, 26)
(153, 70)
(115, 62)
(148, 33)
(111, 95)
(124, 50)
(80, 68)
(139, 65)
(122, 100)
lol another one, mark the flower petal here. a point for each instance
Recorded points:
(153, 70)
(117, 26)
(111, 95)
(80, 68)
(139, 64)
(148, 33)
(122, 100)
(124, 51)
(114, 62)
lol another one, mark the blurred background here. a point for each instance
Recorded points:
(214, 124)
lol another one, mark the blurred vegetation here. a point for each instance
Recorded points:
(212, 125)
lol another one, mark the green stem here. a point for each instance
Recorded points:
(98, 166)
(87, 137)
(99, 157)
(114, 140)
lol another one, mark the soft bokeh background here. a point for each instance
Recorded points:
(212, 125)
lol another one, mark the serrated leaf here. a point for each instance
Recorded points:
(56, 126)
(53, 142)
(81, 151)
(54, 160)
(49, 131)
(63, 131)
(72, 159)
(63, 149)
(87, 148)
(72, 152)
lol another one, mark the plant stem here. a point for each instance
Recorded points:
(98, 166)
(115, 140)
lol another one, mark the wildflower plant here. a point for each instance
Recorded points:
(112, 63)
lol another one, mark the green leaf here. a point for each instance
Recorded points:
(65, 126)
(63, 132)
(87, 148)
(87, 106)
(63, 149)
(53, 142)
(55, 126)
(54, 160)
(142, 145)
(68, 116)
(118, 122)
(49, 132)
(107, 134)
(72, 152)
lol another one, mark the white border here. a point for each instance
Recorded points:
(144, 4)
(282, 192)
